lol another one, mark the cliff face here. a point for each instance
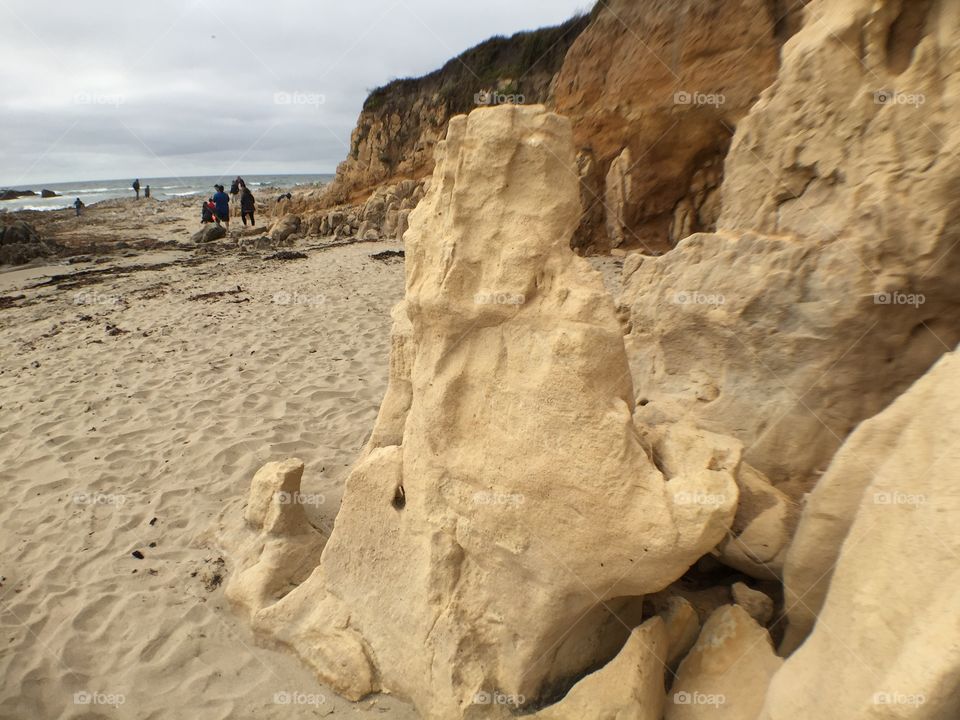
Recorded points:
(655, 90)
(402, 121)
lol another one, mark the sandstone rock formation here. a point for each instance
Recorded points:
(384, 216)
(682, 626)
(757, 605)
(726, 674)
(283, 229)
(509, 345)
(836, 502)
(629, 687)
(885, 643)
(276, 548)
(830, 285)
(765, 520)
(402, 121)
(655, 90)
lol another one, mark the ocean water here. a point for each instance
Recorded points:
(160, 188)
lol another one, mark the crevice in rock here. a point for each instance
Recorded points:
(905, 34)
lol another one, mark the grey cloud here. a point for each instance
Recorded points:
(110, 89)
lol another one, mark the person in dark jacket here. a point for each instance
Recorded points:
(208, 212)
(136, 187)
(78, 204)
(247, 206)
(222, 201)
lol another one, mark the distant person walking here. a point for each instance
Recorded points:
(222, 201)
(78, 206)
(146, 191)
(136, 187)
(248, 206)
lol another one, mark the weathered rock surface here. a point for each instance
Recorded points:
(761, 533)
(384, 216)
(276, 548)
(629, 687)
(402, 122)
(682, 625)
(885, 643)
(14, 194)
(509, 343)
(829, 511)
(284, 228)
(765, 519)
(20, 243)
(725, 676)
(655, 90)
(831, 283)
(834, 504)
(209, 233)
(757, 604)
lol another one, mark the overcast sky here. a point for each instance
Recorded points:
(103, 89)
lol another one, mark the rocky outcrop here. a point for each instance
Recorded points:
(14, 194)
(402, 122)
(726, 674)
(682, 625)
(505, 341)
(847, 487)
(655, 90)
(757, 605)
(275, 548)
(384, 216)
(629, 687)
(208, 234)
(284, 229)
(885, 640)
(830, 285)
(20, 243)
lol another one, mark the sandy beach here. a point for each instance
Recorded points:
(583, 363)
(134, 413)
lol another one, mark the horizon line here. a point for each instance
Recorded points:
(29, 186)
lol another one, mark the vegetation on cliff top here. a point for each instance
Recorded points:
(523, 58)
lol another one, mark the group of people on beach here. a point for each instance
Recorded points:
(217, 208)
(136, 189)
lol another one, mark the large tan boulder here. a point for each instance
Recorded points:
(886, 643)
(629, 687)
(832, 507)
(682, 624)
(506, 497)
(284, 228)
(726, 674)
(830, 285)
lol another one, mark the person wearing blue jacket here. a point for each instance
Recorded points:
(222, 201)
